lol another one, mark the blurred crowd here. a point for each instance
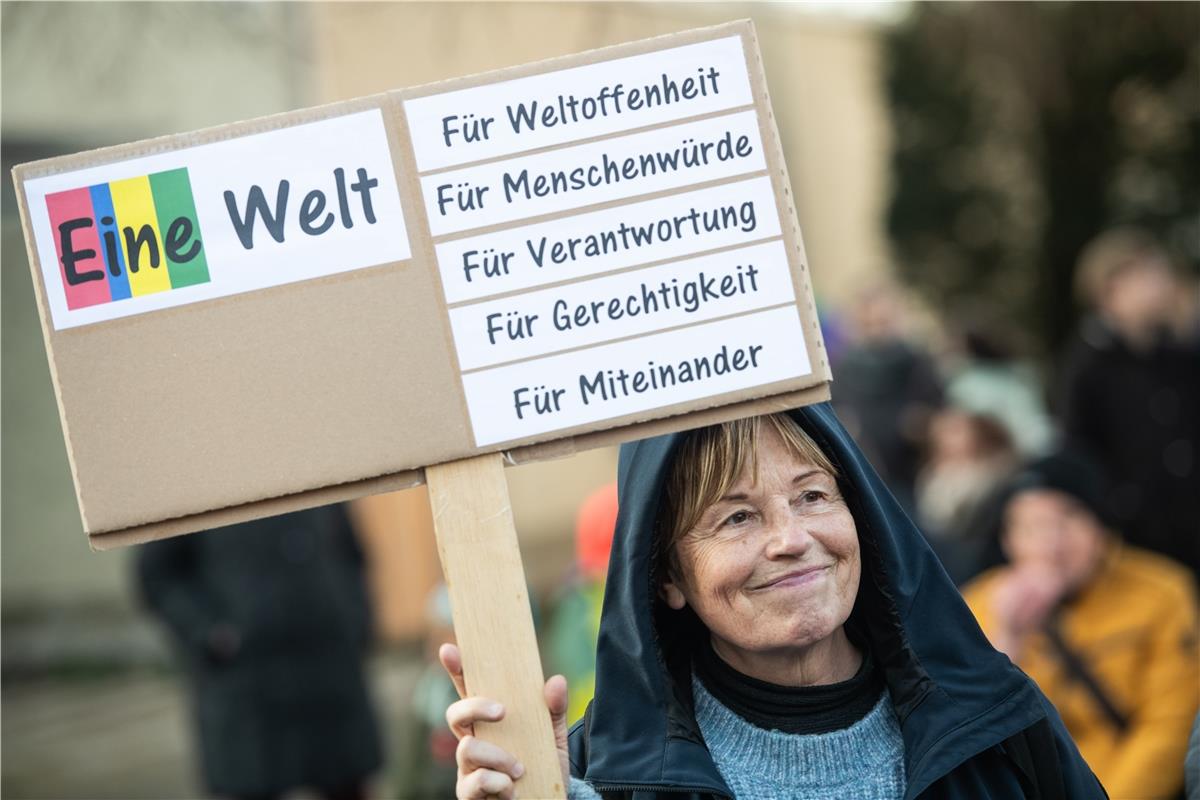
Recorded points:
(1064, 500)
(948, 424)
(1067, 507)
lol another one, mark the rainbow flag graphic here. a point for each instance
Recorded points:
(127, 238)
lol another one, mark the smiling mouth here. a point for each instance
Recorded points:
(796, 578)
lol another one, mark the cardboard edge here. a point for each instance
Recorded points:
(43, 308)
(268, 507)
(408, 479)
(785, 202)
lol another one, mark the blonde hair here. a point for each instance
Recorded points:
(709, 462)
(1110, 254)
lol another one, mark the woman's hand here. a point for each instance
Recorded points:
(485, 770)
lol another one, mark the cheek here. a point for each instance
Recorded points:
(841, 540)
(717, 571)
(1022, 547)
(840, 537)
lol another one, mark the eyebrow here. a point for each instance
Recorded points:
(803, 476)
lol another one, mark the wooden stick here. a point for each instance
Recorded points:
(477, 543)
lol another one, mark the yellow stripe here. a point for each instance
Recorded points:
(134, 204)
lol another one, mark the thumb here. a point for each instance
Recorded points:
(451, 660)
(556, 701)
(555, 692)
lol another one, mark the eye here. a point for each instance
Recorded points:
(813, 496)
(736, 518)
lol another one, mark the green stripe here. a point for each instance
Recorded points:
(173, 200)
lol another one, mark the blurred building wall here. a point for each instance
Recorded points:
(77, 76)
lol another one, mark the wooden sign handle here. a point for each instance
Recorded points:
(481, 560)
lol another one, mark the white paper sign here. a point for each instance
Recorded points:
(586, 174)
(218, 219)
(557, 107)
(627, 304)
(561, 391)
(588, 244)
(640, 303)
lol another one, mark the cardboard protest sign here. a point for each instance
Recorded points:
(314, 306)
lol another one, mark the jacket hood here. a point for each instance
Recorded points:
(954, 695)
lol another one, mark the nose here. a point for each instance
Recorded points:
(787, 535)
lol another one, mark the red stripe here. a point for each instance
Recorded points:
(65, 207)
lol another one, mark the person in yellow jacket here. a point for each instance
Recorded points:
(1108, 631)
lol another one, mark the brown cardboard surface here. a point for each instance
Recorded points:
(327, 389)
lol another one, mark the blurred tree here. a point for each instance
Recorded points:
(1024, 129)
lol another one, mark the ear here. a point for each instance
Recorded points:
(671, 594)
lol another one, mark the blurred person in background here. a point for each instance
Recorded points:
(428, 768)
(576, 623)
(1192, 763)
(1131, 391)
(1107, 630)
(272, 623)
(987, 378)
(970, 457)
(887, 390)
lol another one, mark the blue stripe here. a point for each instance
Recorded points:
(102, 205)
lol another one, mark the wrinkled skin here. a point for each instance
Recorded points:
(772, 570)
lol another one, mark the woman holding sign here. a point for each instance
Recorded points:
(775, 626)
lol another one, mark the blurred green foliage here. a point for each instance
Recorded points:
(1024, 129)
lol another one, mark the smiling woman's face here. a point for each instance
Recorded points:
(772, 566)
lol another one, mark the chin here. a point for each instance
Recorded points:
(809, 629)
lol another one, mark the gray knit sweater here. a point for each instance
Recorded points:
(862, 762)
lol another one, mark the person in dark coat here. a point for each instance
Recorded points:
(888, 391)
(894, 692)
(1131, 390)
(272, 624)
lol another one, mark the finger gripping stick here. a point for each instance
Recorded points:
(481, 560)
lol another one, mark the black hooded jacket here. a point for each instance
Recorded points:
(974, 726)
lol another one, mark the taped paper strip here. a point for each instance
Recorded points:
(219, 219)
(624, 236)
(581, 387)
(587, 174)
(628, 304)
(567, 105)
